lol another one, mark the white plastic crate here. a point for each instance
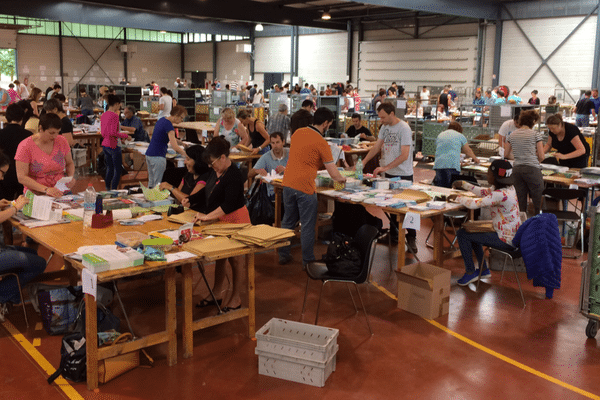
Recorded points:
(79, 157)
(296, 370)
(296, 339)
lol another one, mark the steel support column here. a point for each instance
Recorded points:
(497, 54)
(125, 54)
(252, 54)
(297, 53)
(595, 69)
(60, 55)
(479, 67)
(214, 55)
(182, 57)
(545, 60)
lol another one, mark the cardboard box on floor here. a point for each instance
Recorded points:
(424, 290)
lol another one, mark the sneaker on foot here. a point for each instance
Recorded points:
(411, 241)
(285, 260)
(3, 311)
(486, 273)
(468, 278)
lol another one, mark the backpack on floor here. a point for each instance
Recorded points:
(73, 359)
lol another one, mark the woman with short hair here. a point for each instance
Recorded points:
(231, 129)
(259, 137)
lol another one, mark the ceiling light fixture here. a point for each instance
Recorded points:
(259, 28)
(326, 16)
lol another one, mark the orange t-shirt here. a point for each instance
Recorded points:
(308, 152)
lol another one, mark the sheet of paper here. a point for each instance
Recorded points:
(179, 256)
(89, 281)
(62, 184)
(151, 217)
(505, 111)
(124, 213)
(145, 104)
(78, 212)
(412, 221)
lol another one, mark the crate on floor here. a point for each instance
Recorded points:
(79, 157)
(293, 369)
(296, 339)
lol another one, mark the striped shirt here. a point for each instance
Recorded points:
(523, 142)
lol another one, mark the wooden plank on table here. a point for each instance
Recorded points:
(146, 341)
(219, 319)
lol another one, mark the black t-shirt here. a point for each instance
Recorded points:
(584, 106)
(534, 102)
(566, 146)
(256, 139)
(352, 131)
(25, 104)
(10, 137)
(66, 125)
(226, 191)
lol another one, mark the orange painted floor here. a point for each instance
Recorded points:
(537, 352)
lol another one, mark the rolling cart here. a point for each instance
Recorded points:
(590, 277)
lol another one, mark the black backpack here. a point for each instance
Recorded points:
(343, 257)
(73, 359)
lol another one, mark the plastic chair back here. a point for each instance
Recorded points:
(365, 240)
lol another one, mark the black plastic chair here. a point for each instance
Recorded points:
(365, 238)
(566, 196)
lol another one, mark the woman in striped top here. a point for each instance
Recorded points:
(528, 149)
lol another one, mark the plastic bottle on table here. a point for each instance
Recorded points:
(359, 169)
(89, 205)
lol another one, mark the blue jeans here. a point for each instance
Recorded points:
(156, 169)
(582, 120)
(113, 161)
(18, 257)
(474, 242)
(443, 177)
(302, 207)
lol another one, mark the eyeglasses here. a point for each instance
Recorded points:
(212, 164)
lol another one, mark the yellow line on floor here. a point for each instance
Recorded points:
(498, 355)
(42, 362)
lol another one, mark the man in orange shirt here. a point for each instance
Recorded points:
(308, 152)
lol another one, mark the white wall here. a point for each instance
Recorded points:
(572, 63)
(273, 54)
(37, 59)
(323, 58)
(232, 66)
(159, 62)
(199, 57)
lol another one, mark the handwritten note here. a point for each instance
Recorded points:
(412, 221)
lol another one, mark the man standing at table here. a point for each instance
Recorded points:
(308, 151)
(583, 108)
(395, 145)
(280, 122)
(302, 117)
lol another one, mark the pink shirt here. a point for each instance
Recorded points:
(44, 168)
(109, 128)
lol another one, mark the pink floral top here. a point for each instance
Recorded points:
(504, 208)
(44, 168)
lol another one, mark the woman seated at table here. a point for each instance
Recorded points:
(501, 197)
(26, 260)
(192, 181)
(449, 145)
(259, 137)
(222, 198)
(231, 129)
(54, 106)
(572, 150)
(43, 158)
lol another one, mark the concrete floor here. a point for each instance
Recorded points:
(487, 347)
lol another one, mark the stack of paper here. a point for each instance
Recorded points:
(263, 235)
(42, 208)
(187, 217)
(213, 247)
(223, 229)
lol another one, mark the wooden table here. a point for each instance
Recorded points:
(95, 142)
(437, 217)
(196, 126)
(63, 239)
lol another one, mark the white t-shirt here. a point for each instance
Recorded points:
(167, 101)
(425, 95)
(394, 137)
(506, 128)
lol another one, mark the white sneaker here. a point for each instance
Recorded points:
(3, 312)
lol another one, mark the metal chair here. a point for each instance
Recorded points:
(15, 272)
(365, 238)
(567, 196)
(514, 254)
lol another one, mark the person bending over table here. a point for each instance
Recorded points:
(109, 128)
(449, 145)
(231, 129)
(25, 259)
(308, 152)
(164, 133)
(501, 197)
(192, 181)
(44, 158)
(572, 150)
(259, 138)
(134, 126)
(222, 198)
(528, 150)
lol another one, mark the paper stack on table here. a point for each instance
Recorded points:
(213, 247)
(263, 235)
(223, 229)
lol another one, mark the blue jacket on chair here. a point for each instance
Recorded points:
(539, 241)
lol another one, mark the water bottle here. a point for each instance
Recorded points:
(89, 205)
(359, 169)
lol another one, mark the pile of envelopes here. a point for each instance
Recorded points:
(223, 229)
(262, 235)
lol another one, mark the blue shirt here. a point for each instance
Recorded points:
(515, 98)
(305, 91)
(448, 148)
(268, 163)
(160, 138)
(596, 102)
(140, 134)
